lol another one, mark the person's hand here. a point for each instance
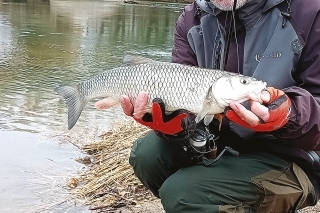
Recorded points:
(136, 109)
(179, 121)
(271, 115)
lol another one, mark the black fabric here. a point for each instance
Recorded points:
(277, 102)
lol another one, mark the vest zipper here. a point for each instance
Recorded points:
(217, 55)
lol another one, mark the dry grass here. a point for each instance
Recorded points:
(313, 209)
(109, 182)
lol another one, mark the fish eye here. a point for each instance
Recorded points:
(244, 81)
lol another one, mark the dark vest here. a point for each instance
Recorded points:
(271, 49)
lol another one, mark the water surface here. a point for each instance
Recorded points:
(42, 45)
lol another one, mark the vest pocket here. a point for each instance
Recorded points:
(281, 191)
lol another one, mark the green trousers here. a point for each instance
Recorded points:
(255, 182)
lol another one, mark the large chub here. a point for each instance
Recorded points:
(75, 102)
(200, 91)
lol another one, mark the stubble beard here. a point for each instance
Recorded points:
(227, 5)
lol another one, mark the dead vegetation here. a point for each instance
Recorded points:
(109, 182)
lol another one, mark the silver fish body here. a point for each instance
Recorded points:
(201, 91)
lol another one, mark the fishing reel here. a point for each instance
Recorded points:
(201, 144)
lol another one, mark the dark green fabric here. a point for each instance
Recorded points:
(226, 186)
(154, 160)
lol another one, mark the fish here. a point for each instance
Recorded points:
(204, 92)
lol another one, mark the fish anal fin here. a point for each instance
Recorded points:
(130, 60)
(106, 103)
(146, 110)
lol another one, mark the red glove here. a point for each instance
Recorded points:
(170, 124)
(279, 107)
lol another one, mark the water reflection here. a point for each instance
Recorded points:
(47, 43)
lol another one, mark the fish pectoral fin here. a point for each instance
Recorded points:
(207, 119)
(106, 103)
(130, 60)
(204, 111)
(206, 105)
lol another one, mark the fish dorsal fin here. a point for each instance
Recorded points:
(206, 105)
(130, 60)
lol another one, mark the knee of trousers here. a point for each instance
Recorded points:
(174, 195)
(152, 153)
(145, 153)
(179, 193)
(150, 158)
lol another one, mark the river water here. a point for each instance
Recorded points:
(42, 45)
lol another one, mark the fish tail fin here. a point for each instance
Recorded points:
(75, 103)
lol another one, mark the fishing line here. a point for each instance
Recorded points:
(232, 24)
(228, 42)
(235, 32)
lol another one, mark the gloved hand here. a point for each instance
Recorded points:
(180, 123)
(269, 116)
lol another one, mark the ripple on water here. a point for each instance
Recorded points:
(42, 46)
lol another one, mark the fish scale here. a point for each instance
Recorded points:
(171, 86)
(179, 86)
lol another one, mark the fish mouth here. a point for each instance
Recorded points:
(263, 85)
(255, 96)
